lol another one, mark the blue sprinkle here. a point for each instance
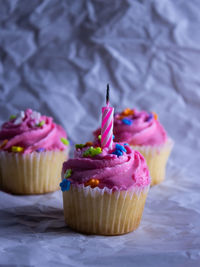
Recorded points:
(127, 121)
(113, 136)
(126, 144)
(65, 185)
(120, 147)
(150, 117)
(118, 153)
(40, 149)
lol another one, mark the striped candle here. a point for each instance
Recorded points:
(107, 124)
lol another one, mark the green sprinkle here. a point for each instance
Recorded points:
(88, 152)
(79, 146)
(41, 123)
(68, 173)
(12, 117)
(99, 137)
(96, 151)
(92, 151)
(64, 141)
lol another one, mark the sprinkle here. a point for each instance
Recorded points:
(92, 151)
(12, 117)
(150, 117)
(17, 149)
(127, 121)
(121, 117)
(118, 153)
(96, 151)
(121, 148)
(35, 116)
(126, 144)
(79, 146)
(92, 182)
(88, 144)
(88, 152)
(40, 149)
(64, 141)
(99, 137)
(19, 118)
(40, 124)
(113, 136)
(127, 112)
(3, 143)
(68, 173)
(65, 185)
(155, 115)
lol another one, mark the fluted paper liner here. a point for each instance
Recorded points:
(156, 158)
(33, 173)
(103, 211)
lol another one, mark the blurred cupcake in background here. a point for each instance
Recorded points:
(143, 131)
(32, 150)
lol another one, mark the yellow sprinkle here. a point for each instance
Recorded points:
(17, 149)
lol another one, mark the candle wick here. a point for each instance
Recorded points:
(107, 95)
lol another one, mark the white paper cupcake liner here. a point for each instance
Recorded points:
(156, 158)
(33, 173)
(103, 211)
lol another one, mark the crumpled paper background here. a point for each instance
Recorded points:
(56, 57)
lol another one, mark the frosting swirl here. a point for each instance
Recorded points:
(137, 128)
(111, 170)
(31, 131)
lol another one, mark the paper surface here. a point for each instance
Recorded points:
(57, 57)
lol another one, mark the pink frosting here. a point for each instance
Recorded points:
(31, 137)
(144, 129)
(112, 171)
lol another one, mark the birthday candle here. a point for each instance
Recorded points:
(107, 123)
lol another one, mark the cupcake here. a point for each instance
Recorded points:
(32, 150)
(143, 131)
(104, 190)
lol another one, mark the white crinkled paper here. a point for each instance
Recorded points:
(56, 57)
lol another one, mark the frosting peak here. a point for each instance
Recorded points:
(137, 128)
(118, 171)
(30, 131)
